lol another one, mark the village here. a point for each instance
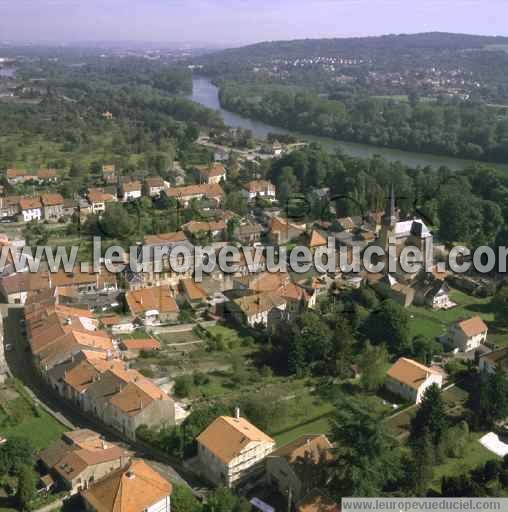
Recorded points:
(136, 354)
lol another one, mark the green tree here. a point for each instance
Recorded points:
(265, 409)
(489, 399)
(373, 362)
(16, 451)
(421, 464)
(425, 348)
(183, 386)
(117, 223)
(26, 486)
(389, 323)
(500, 302)
(223, 500)
(366, 456)
(430, 417)
(182, 500)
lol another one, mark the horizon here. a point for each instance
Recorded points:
(224, 23)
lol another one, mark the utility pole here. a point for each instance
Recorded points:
(290, 498)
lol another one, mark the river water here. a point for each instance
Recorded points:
(207, 94)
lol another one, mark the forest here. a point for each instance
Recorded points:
(463, 129)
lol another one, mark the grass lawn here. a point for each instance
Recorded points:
(432, 323)
(475, 454)
(227, 333)
(19, 417)
(41, 430)
(319, 425)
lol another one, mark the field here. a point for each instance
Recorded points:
(19, 416)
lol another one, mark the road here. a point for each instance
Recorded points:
(20, 364)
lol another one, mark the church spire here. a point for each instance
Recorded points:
(390, 217)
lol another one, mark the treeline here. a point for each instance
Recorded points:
(463, 129)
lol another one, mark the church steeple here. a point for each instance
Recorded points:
(390, 216)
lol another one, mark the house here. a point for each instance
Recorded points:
(184, 195)
(15, 288)
(259, 309)
(221, 156)
(317, 501)
(259, 188)
(135, 488)
(46, 176)
(410, 379)
(297, 298)
(107, 115)
(80, 458)
(15, 176)
(70, 207)
(137, 345)
(9, 207)
(131, 190)
(52, 206)
(84, 282)
(248, 233)
(349, 224)
(434, 293)
(139, 402)
(159, 256)
(210, 174)
(194, 294)
(109, 173)
(231, 449)
(154, 185)
(275, 148)
(152, 305)
(317, 240)
(282, 231)
(389, 287)
(30, 208)
(98, 200)
(496, 359)
(215, 229)
(298, 466)
(248, 261)
(468, 334)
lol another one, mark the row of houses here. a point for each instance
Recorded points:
(82, 363)
(107, 476)
(15, 176)
(50, 207)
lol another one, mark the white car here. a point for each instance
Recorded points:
(9, 347)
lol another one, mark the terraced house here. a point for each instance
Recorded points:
(81, 363)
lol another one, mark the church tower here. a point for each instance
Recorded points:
(388, 221)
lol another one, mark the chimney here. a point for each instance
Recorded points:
(237, 413)
(104, 445)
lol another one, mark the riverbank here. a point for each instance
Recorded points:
(207, 94)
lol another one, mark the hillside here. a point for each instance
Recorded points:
(306, 48)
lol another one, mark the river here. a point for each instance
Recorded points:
(207, 94)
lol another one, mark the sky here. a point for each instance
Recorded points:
(238, 22)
